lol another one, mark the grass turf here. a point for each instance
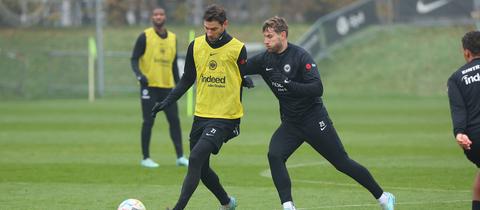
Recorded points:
(71, 154)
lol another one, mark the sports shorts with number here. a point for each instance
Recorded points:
(215, 131)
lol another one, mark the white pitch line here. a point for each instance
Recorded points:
(399, 203)
(388, 187)
(266, 173)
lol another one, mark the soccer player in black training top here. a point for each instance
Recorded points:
(464, 97)
(154, 62)
(214, 61)
(293, 77)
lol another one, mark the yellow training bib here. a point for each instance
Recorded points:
(219, 81)
(157, 61)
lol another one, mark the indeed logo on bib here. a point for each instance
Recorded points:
(470, 79)
(214, 81)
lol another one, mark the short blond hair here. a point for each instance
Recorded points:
(278, 24)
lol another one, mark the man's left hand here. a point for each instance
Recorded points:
(279, 78)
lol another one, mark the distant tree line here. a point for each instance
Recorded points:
(67, 13)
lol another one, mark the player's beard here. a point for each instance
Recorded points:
(158, 25)
(215, 39)
(276, 48)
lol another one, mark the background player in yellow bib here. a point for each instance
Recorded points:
(215, 61)
(154, 62)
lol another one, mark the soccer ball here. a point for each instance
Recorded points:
(131, 204)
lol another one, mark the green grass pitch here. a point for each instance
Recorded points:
(71, 154)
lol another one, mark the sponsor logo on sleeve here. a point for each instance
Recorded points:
(308, 67)
(243, 61)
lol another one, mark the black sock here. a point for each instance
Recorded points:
(145, 138)
(475, 205)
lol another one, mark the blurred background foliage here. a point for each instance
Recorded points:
(67, 13)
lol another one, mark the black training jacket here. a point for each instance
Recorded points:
(304, 89)
(464, 97)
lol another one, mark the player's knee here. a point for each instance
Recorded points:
(343, 165)
(195, 159)
(209, 178)
(148, 123)
(274, 156)
(173, 119)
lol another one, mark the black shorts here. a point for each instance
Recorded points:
(150, 95)
(474, 153)
(216, 131)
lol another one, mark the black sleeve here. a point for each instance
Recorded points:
(457, 107)
(138, 51)
(176, 77)
(187, 80)
(254, 65)
(310, 85)
(242, 61)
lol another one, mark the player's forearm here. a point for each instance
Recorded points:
(314, 89)
(459, 123)
(458, 109)
(182, 86)
(138, 51)
(135, 67)
(175, 72)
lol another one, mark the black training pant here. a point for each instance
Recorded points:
(148, 97)
(317, 130)
(473, 154)
(206, 137)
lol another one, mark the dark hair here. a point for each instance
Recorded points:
(278, 24)
(215, 13)
(471, 41)
(155, 8)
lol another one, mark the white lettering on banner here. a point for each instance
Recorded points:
(424, 8)
(353, 21)
(470, 79)
(473, 68)
(342, 25)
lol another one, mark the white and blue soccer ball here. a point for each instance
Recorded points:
(131, 204)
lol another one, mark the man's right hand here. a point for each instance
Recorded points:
(142, 79)
(463, 141)
(158, 107)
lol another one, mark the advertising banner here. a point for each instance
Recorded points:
(415, 10)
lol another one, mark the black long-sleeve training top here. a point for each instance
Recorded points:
(304, 89)
(464, 97)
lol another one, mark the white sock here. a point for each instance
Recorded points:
(383, 198)
(288, 204)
